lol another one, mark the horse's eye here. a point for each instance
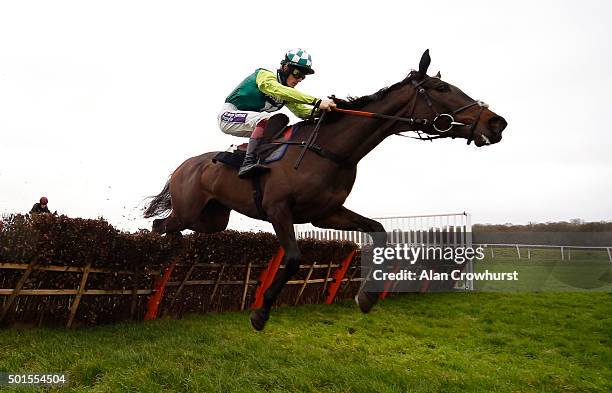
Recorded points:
(443, 88)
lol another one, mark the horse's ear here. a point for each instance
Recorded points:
(438, 75)
(424, 63)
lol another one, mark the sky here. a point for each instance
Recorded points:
(101, 101)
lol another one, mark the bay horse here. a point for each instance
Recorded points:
(202, 192)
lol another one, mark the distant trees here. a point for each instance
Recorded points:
(573, 225)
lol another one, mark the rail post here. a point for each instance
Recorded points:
(79, 295)
(18, 287)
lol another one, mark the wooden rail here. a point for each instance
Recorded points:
(182, 280)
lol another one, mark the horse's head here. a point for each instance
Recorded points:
(449, 112)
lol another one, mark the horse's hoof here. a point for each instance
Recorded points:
(366, 301)
(159, 226)
(259, 319)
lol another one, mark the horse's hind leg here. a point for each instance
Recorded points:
(281, 219)
(170, 224)
(347, 220)
(213, 218)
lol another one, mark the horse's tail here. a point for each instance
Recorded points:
(160, 203)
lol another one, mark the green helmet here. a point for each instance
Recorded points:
(299, 58)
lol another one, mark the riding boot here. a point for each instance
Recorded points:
(250, 166)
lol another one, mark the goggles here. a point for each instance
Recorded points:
(298, 74)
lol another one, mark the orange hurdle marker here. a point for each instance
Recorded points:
(266, 277)
(332, 290)
(156, 297)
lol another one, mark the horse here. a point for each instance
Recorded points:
(201, 192)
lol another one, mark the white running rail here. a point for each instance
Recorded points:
(443, 230)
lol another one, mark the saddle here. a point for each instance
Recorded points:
(268, 152)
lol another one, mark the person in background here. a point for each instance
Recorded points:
(41, 206)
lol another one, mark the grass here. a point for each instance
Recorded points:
(445, 342)
(587, 270)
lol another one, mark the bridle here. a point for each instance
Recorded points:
(441, 119)
(441, 124)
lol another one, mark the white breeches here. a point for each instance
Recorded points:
(239, 123)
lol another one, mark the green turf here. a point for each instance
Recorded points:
(447, 342)
(543, 270)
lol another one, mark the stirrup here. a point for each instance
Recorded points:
(252, 170)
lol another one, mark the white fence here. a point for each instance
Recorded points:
(429, 230)
(441, 230)
(565, 252)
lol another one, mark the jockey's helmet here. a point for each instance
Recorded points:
(299, 58)
(44, 201)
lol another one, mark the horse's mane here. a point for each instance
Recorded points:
(356, 103)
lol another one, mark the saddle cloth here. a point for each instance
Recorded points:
(234, 158)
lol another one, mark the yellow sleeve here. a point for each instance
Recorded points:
(267, 84)
(300, 110)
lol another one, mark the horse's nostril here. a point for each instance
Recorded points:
(497, 124)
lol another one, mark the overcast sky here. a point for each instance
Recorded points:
(100, 102)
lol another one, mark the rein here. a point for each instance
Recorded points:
(374, 115)
(309, 143)
(442, 124)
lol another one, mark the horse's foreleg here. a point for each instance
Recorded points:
(282, 221)
(346, 220)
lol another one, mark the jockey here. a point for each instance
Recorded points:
(247, 109)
